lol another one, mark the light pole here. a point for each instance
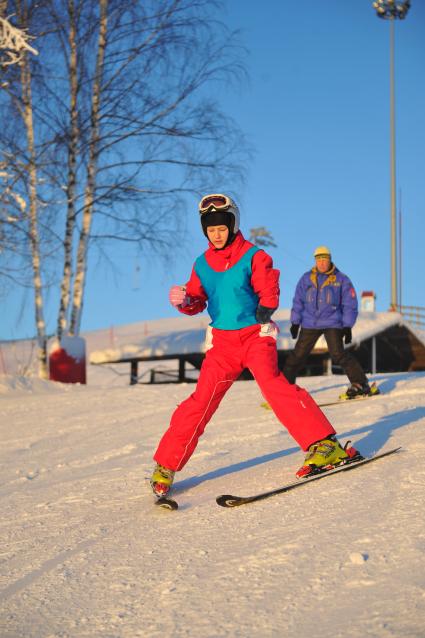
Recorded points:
(392, 10)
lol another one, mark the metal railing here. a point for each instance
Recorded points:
(413, 314)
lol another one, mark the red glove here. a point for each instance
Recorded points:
(178, 297)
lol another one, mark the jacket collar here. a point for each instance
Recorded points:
(330, 275)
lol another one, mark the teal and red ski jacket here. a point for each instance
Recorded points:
(232, 281)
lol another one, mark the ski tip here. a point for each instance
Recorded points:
(167, 503)
(396, 449)
(227, 500)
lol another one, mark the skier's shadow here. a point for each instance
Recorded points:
(231, 469)
(388, 384)
(376, 435)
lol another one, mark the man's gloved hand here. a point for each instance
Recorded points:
(294, 330)
(178, 297)
(263, 314)
(346, 333)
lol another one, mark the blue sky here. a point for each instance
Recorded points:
(316, 112)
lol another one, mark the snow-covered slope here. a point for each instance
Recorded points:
(85, 553)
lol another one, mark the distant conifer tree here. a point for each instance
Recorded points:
(260, 236)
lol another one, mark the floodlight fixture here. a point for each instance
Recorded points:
(391, 9)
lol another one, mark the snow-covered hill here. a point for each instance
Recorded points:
(85, 553)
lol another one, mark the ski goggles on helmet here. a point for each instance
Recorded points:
(215, 202)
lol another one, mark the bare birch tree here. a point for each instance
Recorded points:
(71, 184)
(128, 123)
(27, 114)
(92, 166)
(15, 40)
(136, 114)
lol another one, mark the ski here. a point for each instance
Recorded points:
(266, 406)
(167, 503)
(227, 500)
(374, 391)
(349, 401)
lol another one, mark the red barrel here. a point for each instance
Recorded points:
(67, 360)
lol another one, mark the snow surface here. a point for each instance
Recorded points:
(85, 553)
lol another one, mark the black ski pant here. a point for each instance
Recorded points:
(305, 344)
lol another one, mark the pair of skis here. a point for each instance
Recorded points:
(228, 500)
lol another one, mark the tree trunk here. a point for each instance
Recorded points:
(80, 276)
(25, 72)
(72, 178)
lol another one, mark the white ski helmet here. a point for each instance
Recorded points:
(217, 207)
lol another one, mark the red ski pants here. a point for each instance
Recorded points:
(232, 351)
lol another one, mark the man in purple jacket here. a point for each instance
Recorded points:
(325, 302)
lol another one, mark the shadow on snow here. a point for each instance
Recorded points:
(375, 437)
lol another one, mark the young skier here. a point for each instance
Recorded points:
(238, 283)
